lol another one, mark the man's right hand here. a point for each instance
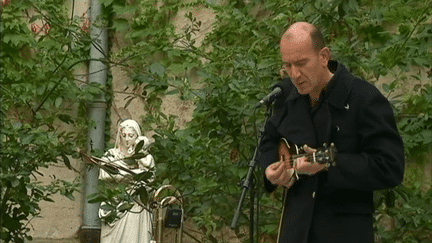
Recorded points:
(278, 174)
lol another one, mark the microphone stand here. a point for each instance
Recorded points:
(247, 183)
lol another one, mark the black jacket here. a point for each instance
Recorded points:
(358, 119)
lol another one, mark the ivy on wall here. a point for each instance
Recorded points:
(41, 99)
(224, 77)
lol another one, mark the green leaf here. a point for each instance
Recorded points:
(15, 182)
(120, 24)
(110, 169)
(17, 40)
(27, 139)
(106, 3)
(386, 87)
(404, 29)
(66, 118)
(97, 199)
(173, 92)
(48, 199)
(158, 69)
(9, 223)
(124, 9)
(137, 156)
(427, 136)
(125, 207)
(142, 194)
(69, 195)
(176, 68)
(139, 146)
(58, 102)
(66, 161)
(144, 176)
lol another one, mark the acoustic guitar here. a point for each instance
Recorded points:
(288, 152)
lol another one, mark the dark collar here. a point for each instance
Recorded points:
(339, 86)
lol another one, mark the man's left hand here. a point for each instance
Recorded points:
(305, 167)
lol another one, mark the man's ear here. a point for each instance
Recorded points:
(325, 55)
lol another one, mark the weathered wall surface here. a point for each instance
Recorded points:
(60, 219)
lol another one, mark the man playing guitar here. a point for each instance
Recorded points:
(324, 103)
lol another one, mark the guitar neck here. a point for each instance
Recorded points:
(311, 157)
(290, 151)
(308, 155)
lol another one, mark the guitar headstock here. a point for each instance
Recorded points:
(326, 154)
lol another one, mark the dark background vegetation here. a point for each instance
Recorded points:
(234, 67)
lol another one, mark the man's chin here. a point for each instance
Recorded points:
(302, 91)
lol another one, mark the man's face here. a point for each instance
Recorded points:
(303, 64)
(128, 136)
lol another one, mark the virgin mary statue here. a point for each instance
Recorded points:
(135, 224)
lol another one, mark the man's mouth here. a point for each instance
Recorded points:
(300, 83)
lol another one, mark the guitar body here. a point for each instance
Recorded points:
(288, 152)
(285, 151)
(282, 214)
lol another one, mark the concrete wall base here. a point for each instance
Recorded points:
(39, 240)
(89, 235)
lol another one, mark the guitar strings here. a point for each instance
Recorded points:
(296, 156)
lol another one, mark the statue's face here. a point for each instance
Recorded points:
(128, 137)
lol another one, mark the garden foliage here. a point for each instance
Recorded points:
(223, 77)
(41, 101)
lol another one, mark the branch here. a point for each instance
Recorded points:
(191, 236)
(58, 83)
(419, 20)
(99, 162)
(55, 86)
(16, 97)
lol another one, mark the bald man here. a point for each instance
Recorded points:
(324, 103)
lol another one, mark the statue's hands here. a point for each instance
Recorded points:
(303, 166)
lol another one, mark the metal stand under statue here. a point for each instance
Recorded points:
(168, 215)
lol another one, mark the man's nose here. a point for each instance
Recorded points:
(294, 72)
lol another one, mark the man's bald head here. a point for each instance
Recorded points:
(302, 30)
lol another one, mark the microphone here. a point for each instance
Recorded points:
(277, 91)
